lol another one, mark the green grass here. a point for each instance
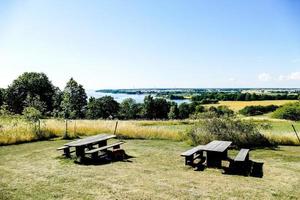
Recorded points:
(36, 171)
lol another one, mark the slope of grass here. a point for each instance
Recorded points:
(156, 171)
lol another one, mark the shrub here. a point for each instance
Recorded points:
(211, 112)
(257, 110)
(241, 133)
(289, 111)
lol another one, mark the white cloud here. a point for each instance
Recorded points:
(264, 77)
(294, 76)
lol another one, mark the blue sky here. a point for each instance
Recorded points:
(154, 43)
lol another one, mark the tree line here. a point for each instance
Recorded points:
(238, 96)
(34, 92)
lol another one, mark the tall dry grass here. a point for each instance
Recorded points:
(15, 130)
(126, 129)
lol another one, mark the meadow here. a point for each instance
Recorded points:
(14, 130)
(238, 105)
(155, 171)
(35, 170)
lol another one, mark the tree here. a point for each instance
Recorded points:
(35, 85)
(57, 99)
(129, 109)
(148, 109)
(33, 115)
(184, 111)
(74, 100)
(35, 102)
(155, 108)
(1, 96)
(161, 108)
(173, 113)
(103, 107)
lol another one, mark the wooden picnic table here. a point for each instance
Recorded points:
(81, 144)
(216, 151)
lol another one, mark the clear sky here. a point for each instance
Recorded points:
(153, 43)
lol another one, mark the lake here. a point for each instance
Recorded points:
(139, 98)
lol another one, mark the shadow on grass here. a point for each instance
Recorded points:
(249, 168)
(104, 160)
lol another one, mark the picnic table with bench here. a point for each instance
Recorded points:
(215, 152)
(94, 146)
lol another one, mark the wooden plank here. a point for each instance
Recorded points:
(212, 145)
(62, 148)
(103, 148)
(90, 140)
(217, 146)
(223, 145)
(192, 151)
(242, 155)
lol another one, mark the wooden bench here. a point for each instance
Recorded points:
(242, 156)
(193, 154)
(94, 152)
(66, 150)
(241, 163)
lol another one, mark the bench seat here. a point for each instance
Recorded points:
(115, 146)
(66, 150)
(62, 148)
(192, 151)
(242, 156)
(193, 154)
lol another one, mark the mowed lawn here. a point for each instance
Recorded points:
(156, 171)
(238, 105)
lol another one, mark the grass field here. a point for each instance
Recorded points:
(16, 130)
(238, 105)
(156, 171)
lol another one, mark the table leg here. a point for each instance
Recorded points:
(67, 152)
(80, 153)
(214, 159)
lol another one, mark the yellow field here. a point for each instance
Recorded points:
(238, 105)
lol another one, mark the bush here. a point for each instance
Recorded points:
(242, 133)
(289, 111)
(257, 110)
(220, 111)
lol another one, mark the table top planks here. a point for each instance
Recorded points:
(217, 146)
(90, 140)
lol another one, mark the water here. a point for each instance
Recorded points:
(139, 98)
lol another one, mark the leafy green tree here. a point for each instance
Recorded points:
(173, 113)
(161, 108)
(129, 109)
(155, 108)
(32, 114)
(103, 107)
(35, 102)
(149, 107)
(74, 100)
(29, 84)
(2, 91)
(184, 111)
(57, 99)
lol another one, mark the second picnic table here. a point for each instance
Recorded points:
(216, 151)
(87, 146)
